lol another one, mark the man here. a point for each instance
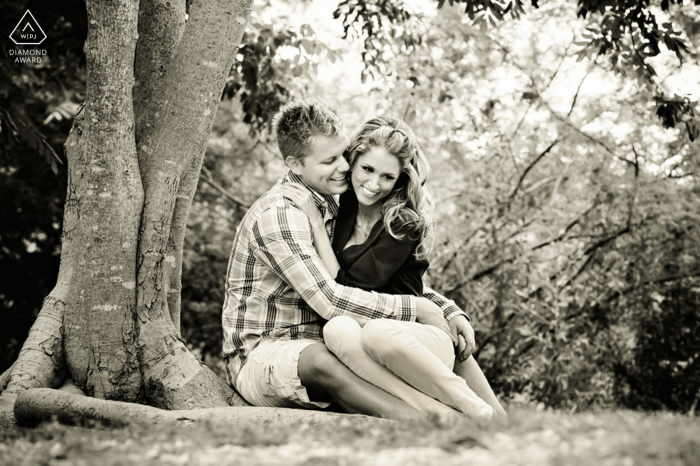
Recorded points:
(279, 294)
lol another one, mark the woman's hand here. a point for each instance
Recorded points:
(301, 196)
(460, 327)
(304, 199)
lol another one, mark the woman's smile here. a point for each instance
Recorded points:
(369, 192)
(374, 175)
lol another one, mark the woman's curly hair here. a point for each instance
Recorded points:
(408, 205)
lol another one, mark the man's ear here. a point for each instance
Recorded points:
(294, 164)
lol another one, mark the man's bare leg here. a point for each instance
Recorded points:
(326, 378)
(470, 371)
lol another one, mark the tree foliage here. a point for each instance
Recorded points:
(628, 34)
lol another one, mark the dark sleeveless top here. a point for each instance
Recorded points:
(382, 263)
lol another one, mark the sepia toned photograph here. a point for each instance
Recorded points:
(346, 232)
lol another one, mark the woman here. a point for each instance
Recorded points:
(382, 238)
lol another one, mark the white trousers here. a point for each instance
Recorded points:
(410, 360)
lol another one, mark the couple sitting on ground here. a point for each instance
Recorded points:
(325, 302)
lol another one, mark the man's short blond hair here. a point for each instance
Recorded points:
(299, 121)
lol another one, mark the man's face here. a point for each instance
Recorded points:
(324, 168)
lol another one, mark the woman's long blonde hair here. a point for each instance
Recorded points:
(409, 203)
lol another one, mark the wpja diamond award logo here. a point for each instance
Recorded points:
(28, 32)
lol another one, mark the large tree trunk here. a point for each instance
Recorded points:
(161, 25)
(133, 164)
(102, 213)
(175, 379)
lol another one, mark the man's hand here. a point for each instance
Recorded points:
(429, 313)
(460, 327)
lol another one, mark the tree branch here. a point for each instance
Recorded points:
(208, 178)
(580, 270)
(192, 92)
(178, 227)
(566, 229)
(520, 123)
(634, 189)
(678, 177)
(563, 119)
(668, 278)
(551, 78)
(607, 240)
(532, 164)
(492, 268)
(578, 89)
(590, 253)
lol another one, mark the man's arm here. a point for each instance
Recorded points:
(283, 242)
(448, 307)
(458, 321)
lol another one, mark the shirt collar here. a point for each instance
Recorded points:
(327, 204)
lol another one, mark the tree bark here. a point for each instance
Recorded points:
(102, 212)
(175, 379)
(35, 406)
(40, 362)
(5, 378)
(176, 240)
(160, 27)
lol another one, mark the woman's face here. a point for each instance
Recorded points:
(375, 175)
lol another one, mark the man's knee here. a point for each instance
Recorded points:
(318, 367)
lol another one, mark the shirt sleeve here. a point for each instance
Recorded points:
(378, 264)
(449, 308)
(283, 242)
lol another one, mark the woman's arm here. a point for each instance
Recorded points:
(324, 248)
(304, 200)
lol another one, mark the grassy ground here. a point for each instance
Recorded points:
(531, 438)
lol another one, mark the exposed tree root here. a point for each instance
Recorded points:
(40, 404)
(5, 378)
(204, 389)
(40, 362)
(174, 378)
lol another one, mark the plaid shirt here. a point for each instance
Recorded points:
(277, 286)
